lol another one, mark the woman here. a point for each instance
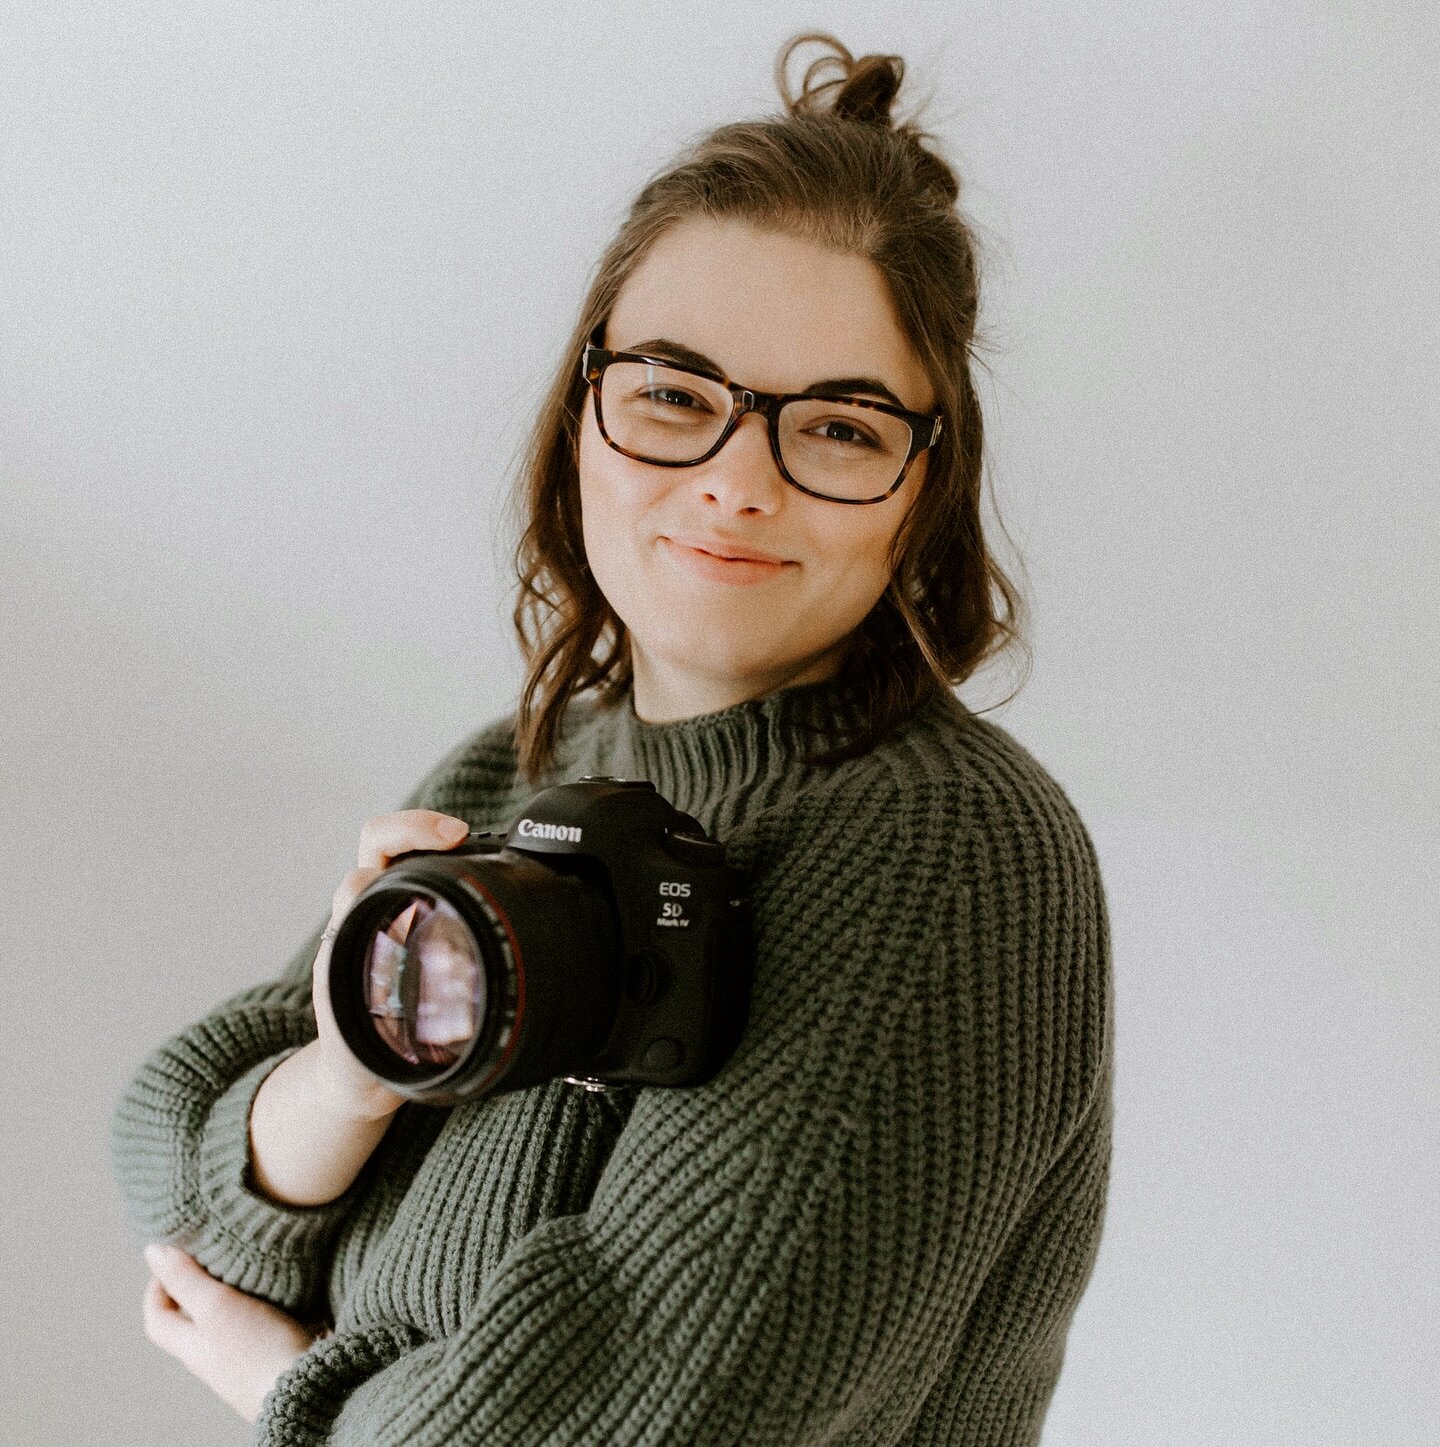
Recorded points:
(874, 1224)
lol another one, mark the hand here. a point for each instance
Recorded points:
(236, 1344)
(383, 839)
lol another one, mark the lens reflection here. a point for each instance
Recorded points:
(424, 983)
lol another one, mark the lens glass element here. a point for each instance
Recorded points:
(424, 983)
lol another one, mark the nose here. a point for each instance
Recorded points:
(742, 476)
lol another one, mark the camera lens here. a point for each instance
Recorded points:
(455, 974)
(424, 982)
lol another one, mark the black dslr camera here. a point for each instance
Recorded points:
(603, 939)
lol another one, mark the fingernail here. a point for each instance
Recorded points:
(154, 1254)
(456, 829)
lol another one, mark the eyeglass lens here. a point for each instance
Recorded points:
(663, 415)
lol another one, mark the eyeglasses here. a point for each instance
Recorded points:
(843, 449)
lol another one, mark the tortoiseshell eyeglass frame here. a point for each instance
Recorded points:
(924, 428)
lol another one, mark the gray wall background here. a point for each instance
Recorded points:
(278, 285)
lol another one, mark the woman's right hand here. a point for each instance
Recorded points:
(350, 1087)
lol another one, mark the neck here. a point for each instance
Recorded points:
(717, 766)
(663, 694)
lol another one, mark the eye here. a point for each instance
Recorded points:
(839, 430)
(670, 396)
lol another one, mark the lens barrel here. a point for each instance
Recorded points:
(429, 980)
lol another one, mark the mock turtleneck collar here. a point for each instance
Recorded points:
(721, 766)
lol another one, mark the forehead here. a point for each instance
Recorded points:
(774, 311)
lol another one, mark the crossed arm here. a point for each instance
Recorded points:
(770, 1258)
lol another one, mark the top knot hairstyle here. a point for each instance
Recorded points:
(866, 91)
(836, 170)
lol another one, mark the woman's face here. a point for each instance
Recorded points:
(778, 314)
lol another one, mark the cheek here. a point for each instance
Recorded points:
(853, 586)
(856, 567)
(613, 504)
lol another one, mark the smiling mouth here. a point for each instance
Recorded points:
(731, 557)
(726, 557)
(721, 569)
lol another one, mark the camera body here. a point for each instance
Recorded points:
(603, 939)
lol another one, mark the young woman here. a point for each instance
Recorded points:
(752, 567)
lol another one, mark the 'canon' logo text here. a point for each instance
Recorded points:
(529, 829)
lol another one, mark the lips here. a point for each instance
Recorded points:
(699, 562)
(725, 548)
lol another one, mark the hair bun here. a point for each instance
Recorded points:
(864, 90)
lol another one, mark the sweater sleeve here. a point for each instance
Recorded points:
(793, 1250)
(180, 1133)
(180, 1144)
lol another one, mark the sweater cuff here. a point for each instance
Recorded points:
(301, 1408)
(270, 1249)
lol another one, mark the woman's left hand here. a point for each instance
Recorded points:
(236, 1344)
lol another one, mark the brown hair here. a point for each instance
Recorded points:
(834, 169)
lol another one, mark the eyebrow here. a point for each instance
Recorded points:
(830, 387)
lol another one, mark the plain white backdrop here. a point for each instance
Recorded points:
(279, 285)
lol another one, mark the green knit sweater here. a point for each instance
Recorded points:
(872, 1226)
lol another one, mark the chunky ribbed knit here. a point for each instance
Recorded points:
(872, 1226)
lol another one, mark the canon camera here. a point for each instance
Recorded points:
(603, 939)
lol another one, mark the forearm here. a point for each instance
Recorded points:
(181, 1146)
(305, 1147)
